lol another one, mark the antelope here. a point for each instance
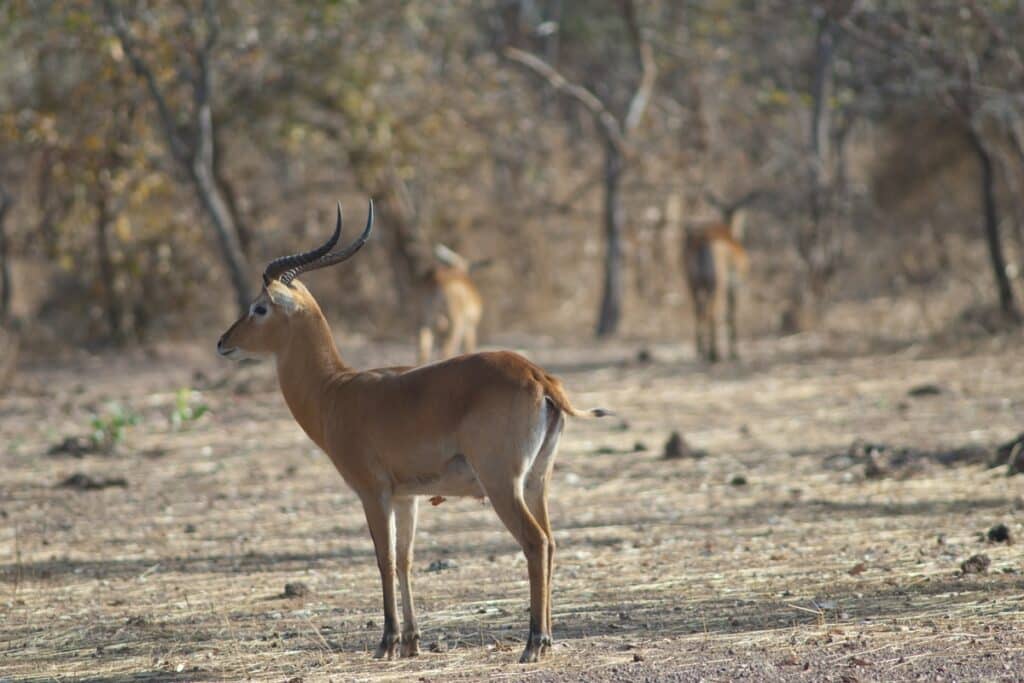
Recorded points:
(449, 302)
(714, 262)
(482, 424)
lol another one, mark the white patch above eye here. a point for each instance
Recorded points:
(282, 299)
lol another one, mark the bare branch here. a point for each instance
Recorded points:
(212, 26)
(202, 85)
(999, 33)
(142, 70)
(648, 70)
(607, 122)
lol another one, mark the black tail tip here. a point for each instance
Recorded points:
(602, 412)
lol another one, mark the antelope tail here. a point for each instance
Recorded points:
(555, 393)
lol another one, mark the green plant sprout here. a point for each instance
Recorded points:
(188, 407)
(108, 429)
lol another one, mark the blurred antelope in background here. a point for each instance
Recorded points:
(715, 262)
(482, 424)
(450, 303)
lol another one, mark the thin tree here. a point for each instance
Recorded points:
(196, 152)
(817, 244)
(963, 93)
(616, 132)
(6, 202)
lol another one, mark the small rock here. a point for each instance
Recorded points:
(439, 645)
(1010, 454)
(676, 448)
(858, 569)
(738, 480)
(73, 446)
(190, 528)
(637, 657)
(639, 447)
(84, 482)
(872, 470)
(1015, 462)
(441, 565)
(644, 356)
(925, 390)
(976, 564)
(1000, 533)
(296, 590)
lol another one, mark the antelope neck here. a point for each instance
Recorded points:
(305, 366)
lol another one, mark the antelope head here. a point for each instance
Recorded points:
(284, 303)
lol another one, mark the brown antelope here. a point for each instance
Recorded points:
(449, 302)
(483, 424)
(714, 262)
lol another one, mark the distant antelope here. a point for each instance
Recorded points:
(483, 424)
(714, 262)
(450, 303)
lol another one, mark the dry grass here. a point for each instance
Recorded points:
(810, 570)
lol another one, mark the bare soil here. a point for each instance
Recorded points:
(783, 553)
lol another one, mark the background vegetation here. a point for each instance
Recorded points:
(153, 155)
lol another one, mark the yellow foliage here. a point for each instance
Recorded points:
(123, 228)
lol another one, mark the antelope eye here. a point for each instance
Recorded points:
(259, 310)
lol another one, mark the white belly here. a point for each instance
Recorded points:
(455, 479)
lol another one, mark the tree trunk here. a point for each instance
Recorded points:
(991, 213)
(5, 258)
(821, 125)
(230, 195)
(112, 304)
(611, 297)
(1016, 128)
(227, 233)
(409, 254)
(406, 262)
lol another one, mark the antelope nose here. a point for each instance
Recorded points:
(220, 344)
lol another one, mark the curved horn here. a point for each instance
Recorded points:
(282, 265)
(338, 256)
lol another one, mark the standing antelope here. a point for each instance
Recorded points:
(449, 302)
(484, 424)
(714, 262)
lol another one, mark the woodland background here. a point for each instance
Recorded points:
(154, 155)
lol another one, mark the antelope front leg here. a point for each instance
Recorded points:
(380, 518)
(426, 345)
(730, 320)
(405, 523)
(712, 323)
(453, 341)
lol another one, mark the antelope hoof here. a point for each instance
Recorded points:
(388, 648)
(536, 645)
(410, 644)
(530, 655)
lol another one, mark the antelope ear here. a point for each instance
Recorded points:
(282, 298)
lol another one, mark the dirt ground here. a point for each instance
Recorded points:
(780, 554)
